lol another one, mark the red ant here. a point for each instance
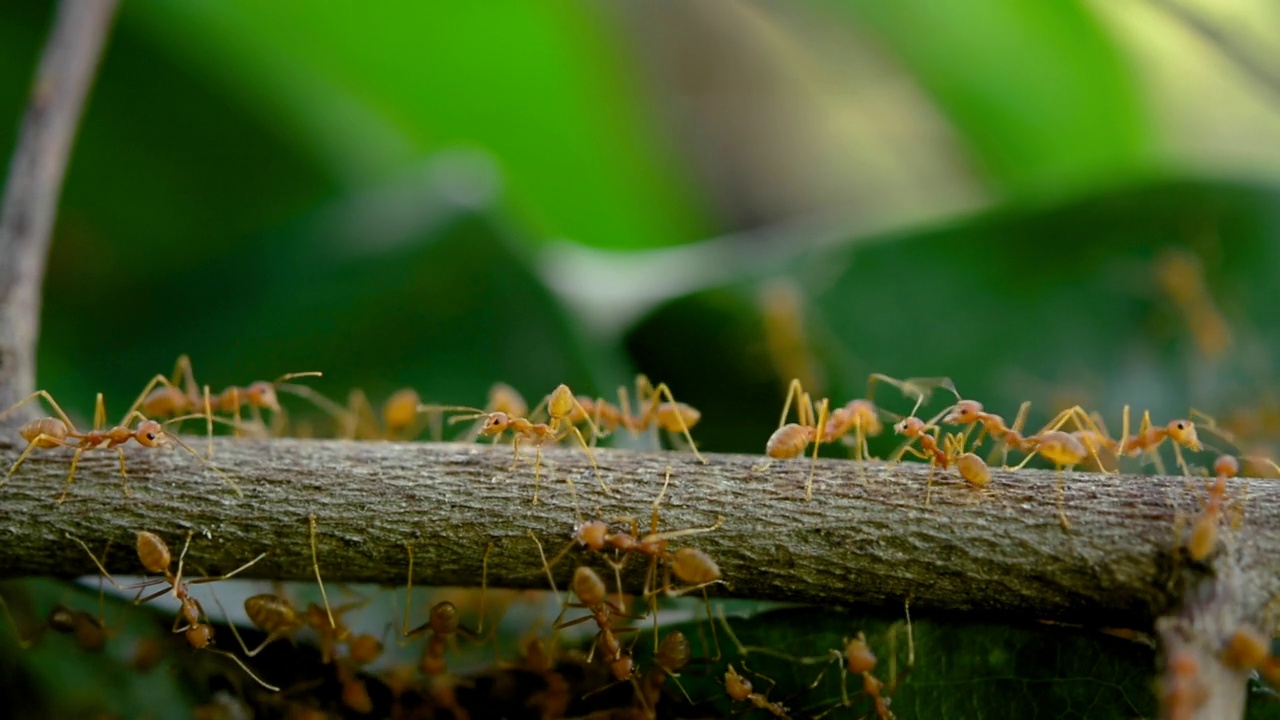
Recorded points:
(51, 432)
(496, 423)
(168, 400)
(400, 417)
(672, 654)
(669, 415)
(442, 622)
(791, 439)
(155, 556)
(739, 690)
(1149, 438)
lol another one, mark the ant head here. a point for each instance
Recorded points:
(1226, 466)
(736, 686)
(262, 394)
(1183, 432)
(561, 404)
(592, 534)
(909, 426)
(965, 412)
(150, 434)
(495, 423)
(200, 636)
(444, 618)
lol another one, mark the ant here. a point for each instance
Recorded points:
(1149, 438)
(669, 658)
(168, 400)
(496, 423)
(592, 596)
(791, 439)
(596, 536)
(925, 432)
(669, 415)
(400, 419)
(88, 630)
(51, 432)
(442, 622)
(739, 689)
(155, 557)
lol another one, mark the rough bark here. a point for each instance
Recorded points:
(866, 537)
(34, 182)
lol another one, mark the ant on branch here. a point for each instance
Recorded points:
(497, 423)
(669, 415)
(155, 556)
(400, 417)
(51, 432)
(161, 397)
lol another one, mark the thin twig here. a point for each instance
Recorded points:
(66, 71)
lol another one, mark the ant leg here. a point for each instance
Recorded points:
(661, 390)
(582, 441)
(97, 562)
(206, 463)
(208, 418)
(315, 564)
(1062, 499)
(31, 446)
(99, 413)
(150, 386)
(823, 408)
(537, 471)
(48, 398)
(796, 390)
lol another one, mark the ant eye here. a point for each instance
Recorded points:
(151, 436)
(1182, 426)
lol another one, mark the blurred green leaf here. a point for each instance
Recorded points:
(1041, 91)
(1055, 305)
(543, 87)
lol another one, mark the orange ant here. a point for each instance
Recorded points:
(51, 432)
(668, 659)
(596, 536)
(739, 689)
(496, 423)
(791, 439)
(1149, 437)
(168, 400)
(155, 557)
(668, 415)
(89, 632)
(400, 416)
(592, 596)
(442, 622)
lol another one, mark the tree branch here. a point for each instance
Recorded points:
(867, 536)
(39, 162)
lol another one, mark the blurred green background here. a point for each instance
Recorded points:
(1055, 202)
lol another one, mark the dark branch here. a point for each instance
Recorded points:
(62, 82)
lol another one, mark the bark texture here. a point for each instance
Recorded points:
(34, 182)
(866, 537)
